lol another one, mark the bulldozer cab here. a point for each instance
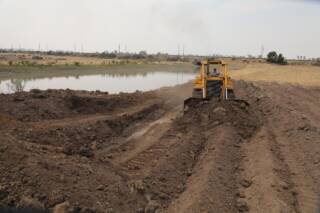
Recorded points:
(213, 67)
(213, 80)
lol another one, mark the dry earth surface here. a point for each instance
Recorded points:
(75, 151)
(51, 60)
(305, 75)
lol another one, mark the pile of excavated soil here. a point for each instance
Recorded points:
(76, 151)
(57, 104)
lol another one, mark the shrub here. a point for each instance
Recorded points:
(108, 55)
(281, 59)
(274, 58)
(16, 85)
(36, 57)
(76, 63)
(317, 62)
(25, 63)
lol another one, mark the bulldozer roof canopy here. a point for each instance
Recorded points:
(214, 61)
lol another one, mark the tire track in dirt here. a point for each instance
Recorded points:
(273, 189)
(215, 171)
(200, 154)
(259, 162)
(292, 140)
(299, 139)
(141, 140)
(258, 168)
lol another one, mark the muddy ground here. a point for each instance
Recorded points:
(77, 151)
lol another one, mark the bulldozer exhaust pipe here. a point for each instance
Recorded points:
(226, 94)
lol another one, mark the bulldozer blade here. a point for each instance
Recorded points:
(191, 102)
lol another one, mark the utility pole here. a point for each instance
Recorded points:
(262, 51)
(183, 48)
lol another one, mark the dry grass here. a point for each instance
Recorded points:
(17, 58)
(29, 59)
(303, 75)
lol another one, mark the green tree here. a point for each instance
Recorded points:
(281, 60)
(274, 58)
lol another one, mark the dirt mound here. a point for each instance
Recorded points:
(86, 135)
(94, 152)
(238, 113)
(101, 103)
(205, 129)
(51, 160)
(57, 104)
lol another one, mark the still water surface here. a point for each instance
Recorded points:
(104, 82)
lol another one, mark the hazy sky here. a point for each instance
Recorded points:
(237, 27)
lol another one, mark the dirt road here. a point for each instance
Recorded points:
(93, 152)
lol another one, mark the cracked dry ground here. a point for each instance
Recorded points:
(68, 151)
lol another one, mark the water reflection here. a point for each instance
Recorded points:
(110, 82)
(16, 85)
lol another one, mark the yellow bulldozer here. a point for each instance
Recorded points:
(213, 82)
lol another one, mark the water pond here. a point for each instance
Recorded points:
(107, 82)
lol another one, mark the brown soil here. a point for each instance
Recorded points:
(68, 151)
